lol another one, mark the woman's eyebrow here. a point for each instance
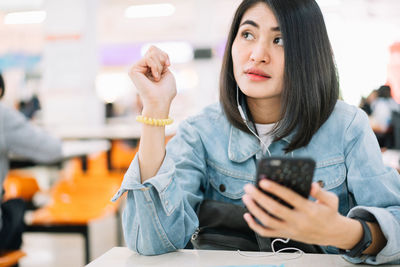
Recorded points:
(253, 23)
(276, 29)
(250, 22)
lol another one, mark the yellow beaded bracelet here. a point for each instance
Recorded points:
(154, 122)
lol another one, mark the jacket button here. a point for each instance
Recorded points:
(321, 183)
(222, 188)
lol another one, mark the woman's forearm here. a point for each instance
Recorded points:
(152, 146)
(353, 232)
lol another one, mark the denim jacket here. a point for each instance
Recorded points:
(210, 159)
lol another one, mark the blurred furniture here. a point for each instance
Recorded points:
(121, 256)
(122, 154)
(105, 131)
(75, 203)
(20, 185)
(11, 258)
(110, 132)
(70, 149)
(120, 130)
(81, 197)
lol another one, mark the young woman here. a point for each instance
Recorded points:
(278, 97)
(19, 137)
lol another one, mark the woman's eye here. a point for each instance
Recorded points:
(278, 41)
(247, 36)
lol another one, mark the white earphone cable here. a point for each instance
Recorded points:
(245, 120)
(278, 253)
(269, 153)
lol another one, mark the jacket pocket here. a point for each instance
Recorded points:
(226, 184)
(331, 175)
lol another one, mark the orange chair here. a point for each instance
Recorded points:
(97, 166)
(75, 203)
(20, 185)
(79, 201)
(97, 163)
(122, 155)
(11, 258)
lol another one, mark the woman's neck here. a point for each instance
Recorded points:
(264, 111)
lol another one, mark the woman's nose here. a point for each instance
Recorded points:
(260, 53)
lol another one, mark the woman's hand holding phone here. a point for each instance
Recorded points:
(155, 83)
(313, 222)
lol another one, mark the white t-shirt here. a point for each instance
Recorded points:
(263, 132)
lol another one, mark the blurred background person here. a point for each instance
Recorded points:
(29, 107)
(381, 116)
(19, 137)
(365, 103)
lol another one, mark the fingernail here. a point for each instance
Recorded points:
(248, 188)
(265, 183)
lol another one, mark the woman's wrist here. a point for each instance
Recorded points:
(349, 233)
(156, 112)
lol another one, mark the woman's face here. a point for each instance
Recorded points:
(258, 54)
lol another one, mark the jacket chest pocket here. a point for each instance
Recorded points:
(226, 185)
(331, 175)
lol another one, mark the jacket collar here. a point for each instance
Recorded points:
(242, 146)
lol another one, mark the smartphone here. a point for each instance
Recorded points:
(294, 173)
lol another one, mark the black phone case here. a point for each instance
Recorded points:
(294, 173)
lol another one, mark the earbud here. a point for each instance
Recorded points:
(239, 106)
(242, 113)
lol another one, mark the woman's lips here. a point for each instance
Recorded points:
(256, 74)
(256, 77)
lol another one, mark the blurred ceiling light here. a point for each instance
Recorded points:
(29, 17)
(14, 5)
(148, 11)
(178, 52)
(112, 86)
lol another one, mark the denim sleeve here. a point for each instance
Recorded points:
(160, 215)
(375, 187)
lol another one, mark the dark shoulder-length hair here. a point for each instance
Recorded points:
(2, 89)
(384, 91)
(310, 86)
